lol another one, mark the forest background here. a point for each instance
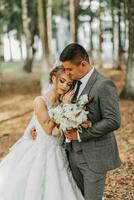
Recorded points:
(32, 35)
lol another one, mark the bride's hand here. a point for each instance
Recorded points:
(68, 96)
(33, 133)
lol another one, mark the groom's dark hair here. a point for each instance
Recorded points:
(75, 53)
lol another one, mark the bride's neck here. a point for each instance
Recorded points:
(54, 96)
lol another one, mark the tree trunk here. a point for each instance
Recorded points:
(91, 31)
(49, 29)
(119, 37)
(113, 29)
(1, 48)
(43, 32)
(100, 38)
(73, 7)
(129, 88)
(21, 47)
(10, 47)
(125, 34)
(125, 22)
(25, 21)
(91, 36)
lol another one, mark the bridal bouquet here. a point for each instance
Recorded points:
(70, 116)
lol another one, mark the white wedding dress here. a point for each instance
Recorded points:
(37, 169)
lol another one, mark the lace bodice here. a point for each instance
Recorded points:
(55, 131)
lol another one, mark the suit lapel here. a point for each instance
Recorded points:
(90, 83)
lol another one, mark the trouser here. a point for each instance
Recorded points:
(90, 182)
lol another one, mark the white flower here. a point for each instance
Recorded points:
(70, 115)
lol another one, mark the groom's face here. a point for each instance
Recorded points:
(74, 71)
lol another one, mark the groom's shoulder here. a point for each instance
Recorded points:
(104, 81)
(102, 78)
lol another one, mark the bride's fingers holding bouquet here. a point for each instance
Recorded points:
(33, 133)
(68, 96)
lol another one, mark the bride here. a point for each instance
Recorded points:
(38, 169)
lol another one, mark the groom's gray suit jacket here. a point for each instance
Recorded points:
(98, 144)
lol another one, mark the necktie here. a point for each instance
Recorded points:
(77, 90)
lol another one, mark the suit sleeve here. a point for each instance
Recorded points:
(109, 107)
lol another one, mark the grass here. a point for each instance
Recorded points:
(10, 65)
(13, 65)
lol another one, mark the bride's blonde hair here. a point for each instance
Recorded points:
(56, 72)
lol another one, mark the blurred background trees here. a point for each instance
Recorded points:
(129, 89)
(38, 30)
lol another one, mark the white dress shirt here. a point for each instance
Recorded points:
(84, 81)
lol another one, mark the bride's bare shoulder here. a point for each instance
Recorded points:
(39, 102)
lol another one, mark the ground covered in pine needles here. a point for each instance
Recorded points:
(17, 91)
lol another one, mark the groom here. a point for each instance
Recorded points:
(94, 150)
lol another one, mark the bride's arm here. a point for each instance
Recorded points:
(41, 112)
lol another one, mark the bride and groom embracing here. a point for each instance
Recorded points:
(37, 167)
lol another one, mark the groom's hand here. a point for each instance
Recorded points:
(71, 134)
(33, 133)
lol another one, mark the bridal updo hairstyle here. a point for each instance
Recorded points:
(56, 72)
